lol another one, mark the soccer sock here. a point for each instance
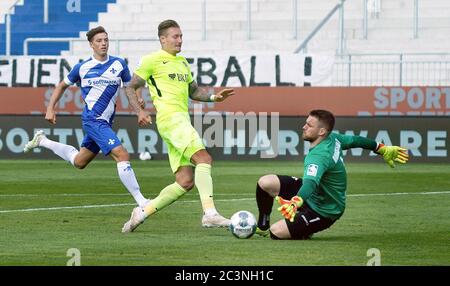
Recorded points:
(265, 203)
(204, 183)
(166, 197)
(64, 151)
(128, 178)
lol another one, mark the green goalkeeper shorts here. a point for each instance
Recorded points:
(181, 138)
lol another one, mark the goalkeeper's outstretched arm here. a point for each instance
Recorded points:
(391, 154)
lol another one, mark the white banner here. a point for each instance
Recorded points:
(241, 70)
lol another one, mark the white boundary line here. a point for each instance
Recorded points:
(216, 195)
(195, 201)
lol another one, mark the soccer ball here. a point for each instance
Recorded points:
(145, 156)
(243, 224)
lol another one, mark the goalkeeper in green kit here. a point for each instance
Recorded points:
(316, 201)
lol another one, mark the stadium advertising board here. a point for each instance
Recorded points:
(238, 136)
(287, 101)
(240, 70)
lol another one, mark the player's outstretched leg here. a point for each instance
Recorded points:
(137, 217)
(34, 143)
(166, 197)
(66, 152)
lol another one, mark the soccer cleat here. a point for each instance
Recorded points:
(262, 232)
(38, 136)
(137, 218)
(215, 220)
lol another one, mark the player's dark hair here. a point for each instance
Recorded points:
(94, 31)
(166, 24)
(325, 117)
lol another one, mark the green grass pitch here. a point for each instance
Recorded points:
(48, 207)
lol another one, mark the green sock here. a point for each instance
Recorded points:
(167, 196)
(203, 181)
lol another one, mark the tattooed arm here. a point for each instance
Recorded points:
(197, 93)
(136, 102)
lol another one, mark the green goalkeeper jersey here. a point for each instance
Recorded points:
(325, 178)
(168, 78)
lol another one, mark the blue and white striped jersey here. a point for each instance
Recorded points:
(99, 83)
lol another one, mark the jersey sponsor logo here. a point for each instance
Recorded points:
(312, 170)
(100, 81)
(180, 77)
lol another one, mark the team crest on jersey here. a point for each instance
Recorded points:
(312, 170)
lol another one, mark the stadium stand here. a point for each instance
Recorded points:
(216, 26)
(64, 20)
(272, 25)
(390, 36)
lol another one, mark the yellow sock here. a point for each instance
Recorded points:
(203, 181)
(167, 196)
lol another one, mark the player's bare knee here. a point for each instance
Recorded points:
(209, 160)
(202, 157)
(123, 156)
(186, 183)
(80, 164)
(120, 154)
(274, 232)
(268, 183)
(206, 159)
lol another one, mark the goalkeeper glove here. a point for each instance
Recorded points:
(289, 208)
(392, 154)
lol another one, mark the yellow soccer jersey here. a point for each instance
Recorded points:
(168, 78)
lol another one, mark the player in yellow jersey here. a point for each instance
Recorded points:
(171, 84)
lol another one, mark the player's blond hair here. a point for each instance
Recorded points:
(166, 24)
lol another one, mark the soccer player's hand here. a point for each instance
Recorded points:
(144, 118)
(392, 154)
(289, 208)
(223, 94)
(50, 115)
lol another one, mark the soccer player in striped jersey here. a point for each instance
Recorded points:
(316, 201)
(99, 77)
(170, 83)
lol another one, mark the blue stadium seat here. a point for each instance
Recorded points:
(27, 22)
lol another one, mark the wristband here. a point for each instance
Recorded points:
(379, 145)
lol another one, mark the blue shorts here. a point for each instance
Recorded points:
(99, 136)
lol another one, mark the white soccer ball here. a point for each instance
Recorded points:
(145, 156)
(243, 224)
